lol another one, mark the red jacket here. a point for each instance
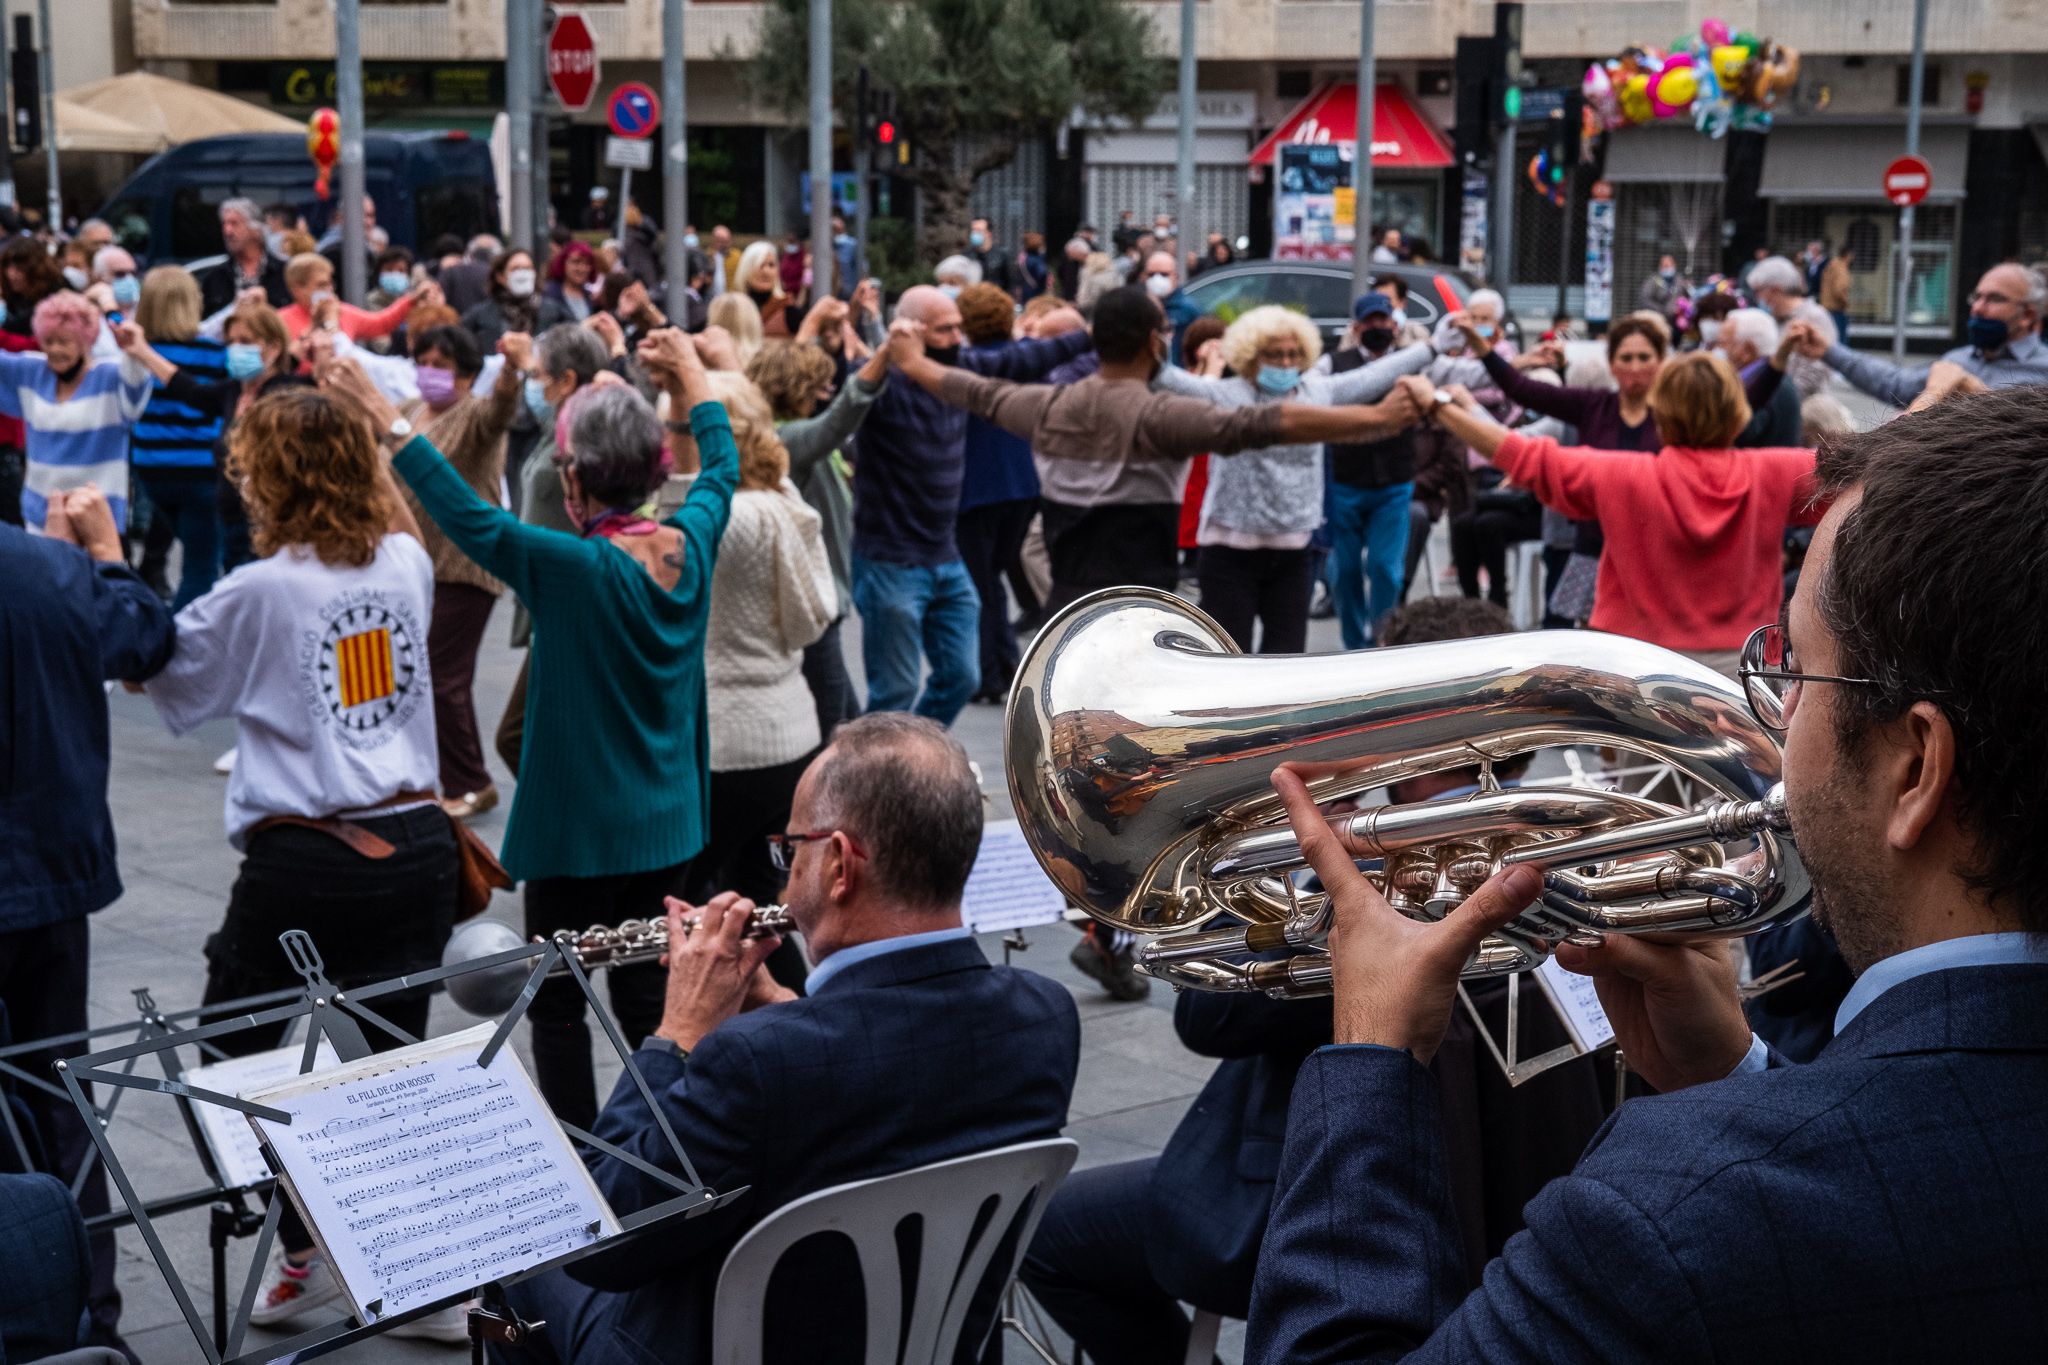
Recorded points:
(12, 433)
(1694, 537)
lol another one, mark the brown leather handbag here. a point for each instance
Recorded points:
(479, 871)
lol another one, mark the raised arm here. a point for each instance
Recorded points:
(1306, 423)
(1028, 359)
(1184, 383)
(672, 358)
(1374, 379)
(1566, 479)
(1882, 380)
(811, 440)
(1016, 408)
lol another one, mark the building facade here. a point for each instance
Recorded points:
(1815, 174)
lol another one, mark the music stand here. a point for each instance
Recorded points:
(336, 1016)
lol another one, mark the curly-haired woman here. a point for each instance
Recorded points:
(318, 651)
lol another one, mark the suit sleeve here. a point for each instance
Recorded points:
(133, 624)
(1233, 1024)
(714, 1101)
(1563, 478)
(1363, 1259)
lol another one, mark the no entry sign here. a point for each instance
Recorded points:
(633, 111)
(1907, 180)
(572, 62)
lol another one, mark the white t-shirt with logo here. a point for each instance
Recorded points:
(324, 668)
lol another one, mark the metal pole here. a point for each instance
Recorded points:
(863, 174)
(7, 196)
(519, 118)
(1500, 259)
(1361, 157)
(1564, 239)
(625, 197)
(675, 171)
(56, 200)
(822, 256)
(1905, 265)
(348, 100)
(1184, 159)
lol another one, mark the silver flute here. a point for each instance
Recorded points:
(645, 940)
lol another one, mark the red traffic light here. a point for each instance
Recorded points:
(885, 132)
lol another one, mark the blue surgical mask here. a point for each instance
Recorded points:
(1988, 334)
(951, 291)
(977, 240)
(392, 281)
(537, 402)
(245, 360)
(690, 240)
(1484, 329)
(127, 291)
(1278, 378)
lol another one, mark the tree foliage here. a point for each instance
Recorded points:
(994, 71)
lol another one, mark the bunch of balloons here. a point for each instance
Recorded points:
(1720, 80)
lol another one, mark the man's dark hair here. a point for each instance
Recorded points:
(447, 244)
(457, 344)
(1954, 501)
(394, 258)
(902, 787)
(1126, 320)
(1715, 305)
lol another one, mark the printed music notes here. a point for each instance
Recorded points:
(1578, 1005)
(1007, 888)
(236, 1154)
(424, 1175)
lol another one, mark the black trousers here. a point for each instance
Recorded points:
(13, 469)
(1270, 587)
(1110, 547)
(991, 539)
(371, 919)
(1087, 1267)
(461, 611)
(748, 805)
(43, 988)
(1480, 540)
(561, 1036)
(825, 674)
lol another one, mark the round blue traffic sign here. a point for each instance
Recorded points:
(634, 111)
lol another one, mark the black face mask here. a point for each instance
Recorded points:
(760, 296)
(1375, 340)
(77, 369)
(944, 355)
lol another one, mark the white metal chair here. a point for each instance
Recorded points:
(1525, 582)
(947, 1197)
(1202, 1334)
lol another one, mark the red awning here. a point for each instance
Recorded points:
(1403, 137)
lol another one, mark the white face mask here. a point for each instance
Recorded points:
(519, 283)
(1710, 330)
(76, 278)
(1159, 286)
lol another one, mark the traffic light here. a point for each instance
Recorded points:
(885, 133)
(26, 74)
(1505, 80)
(1472, 72)
(1562, 134)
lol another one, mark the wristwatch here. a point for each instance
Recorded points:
(1438, 401)
(654, 1042)
(399, 432)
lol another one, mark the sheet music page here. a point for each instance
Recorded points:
(423, 1175)
(236, 1154)
(1578, 1004)
(1007, 888)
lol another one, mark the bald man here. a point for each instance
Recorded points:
(2004, 348)
(915, 598)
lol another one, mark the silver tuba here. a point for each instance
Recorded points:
(1140, 745)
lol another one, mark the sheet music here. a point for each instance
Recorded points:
(236, 1153)
(424, 1175)
(1578, 1004)
(1007, 888)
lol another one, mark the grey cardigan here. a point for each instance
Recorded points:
(811, 442)
(1278, 491)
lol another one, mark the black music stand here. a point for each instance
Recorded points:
(337, 1015)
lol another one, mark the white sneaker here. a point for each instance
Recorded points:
(225, 764)
(287, 1293)
(449, 1324)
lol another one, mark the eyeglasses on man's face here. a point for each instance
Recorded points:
(782, 847)
(1771, 679)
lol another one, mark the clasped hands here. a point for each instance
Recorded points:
(1675, 1009)
(714, 970)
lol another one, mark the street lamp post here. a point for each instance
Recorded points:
(519, 74)
(1184, 158)
(822, 253)
(1916, 90)
(675, 137)
(1361, 158)
(348, 100)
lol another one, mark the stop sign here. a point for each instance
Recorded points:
(1907, 180)
(572, 62)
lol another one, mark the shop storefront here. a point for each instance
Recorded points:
(1133, 168)
(1409, 156)
(1667, 185)
(1821, 178)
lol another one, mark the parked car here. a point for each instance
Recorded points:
(424, 184)
(1323, 291)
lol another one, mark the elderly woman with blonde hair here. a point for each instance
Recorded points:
(760, 283)
(1262, 508)
(772, 594)
(741, 319)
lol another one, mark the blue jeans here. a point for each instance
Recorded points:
(909, 613)
(1372, 522)
(189, 503)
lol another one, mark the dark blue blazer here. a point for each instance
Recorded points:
(1885, 1202)
(43, 1251)
(900, 1060)
(1212, 1188)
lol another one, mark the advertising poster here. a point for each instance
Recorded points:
(1307, 223)
(1600, 255)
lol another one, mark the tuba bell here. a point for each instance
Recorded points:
(1140, 744)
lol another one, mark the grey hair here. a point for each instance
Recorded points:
(903, 788)
(1775, 272)
(960, 267)
(1487, 296)
(2037, 288)
(615, 446)
(483, 247)
(93, 223)
(105, 255)
(1752, 325)
(571, 348)
(248, 210)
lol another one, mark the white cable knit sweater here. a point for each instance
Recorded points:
(771, 594)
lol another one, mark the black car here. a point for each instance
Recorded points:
(1323, 291)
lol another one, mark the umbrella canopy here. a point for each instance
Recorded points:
(144, 112)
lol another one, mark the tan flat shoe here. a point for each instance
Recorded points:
(471, 804)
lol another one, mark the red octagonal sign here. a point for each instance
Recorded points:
(572, 62)
(1907, 180)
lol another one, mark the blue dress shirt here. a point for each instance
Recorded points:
(861, 952)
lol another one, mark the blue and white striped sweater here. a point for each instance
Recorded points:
(81, 440)
(172, 435)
